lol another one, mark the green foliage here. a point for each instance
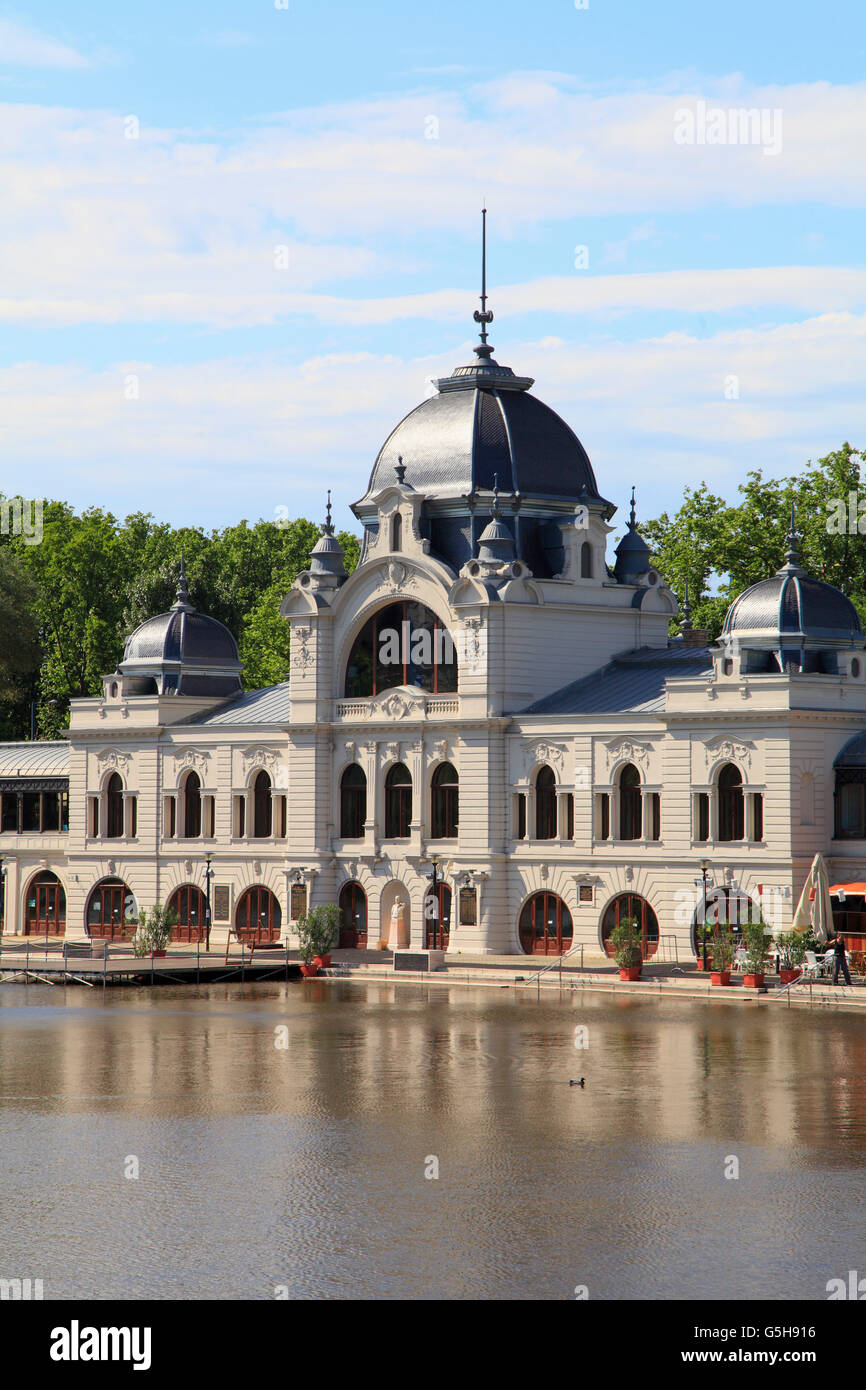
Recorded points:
(792, 949)
(722, 549)
(319, 931)
(92, 580)
(154, 930)
(626, 941)
(757, 943)
(723, 947)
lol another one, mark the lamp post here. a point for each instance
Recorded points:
(2, 896)
(208, 875)
(434, 885)
(705, 864)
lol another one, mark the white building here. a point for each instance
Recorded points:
(483, 689)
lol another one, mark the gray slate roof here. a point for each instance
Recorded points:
(48, 759)
(268, 706)
(634, 681)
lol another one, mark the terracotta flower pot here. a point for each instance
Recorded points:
(322, 961)
(720, 977)
(159, 953)
(752, 981)
(308, 971)
(629, 972)
(789, 976)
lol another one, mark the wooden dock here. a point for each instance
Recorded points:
(100, 965)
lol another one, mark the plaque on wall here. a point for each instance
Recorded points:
(298, 901)
(468, 907)
(586, 893)
(221, 903)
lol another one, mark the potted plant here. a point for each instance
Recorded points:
(755, 936)
(154, 932)
(318, 933)
(792, 952)
(722, 956)
(626, 942)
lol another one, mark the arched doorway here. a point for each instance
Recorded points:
(545, 926)
(258, 918)
(189, 906)
(110, 911)
(438, 927)
(725, 907)
(45, 906)
(353, 905)
(634, 906)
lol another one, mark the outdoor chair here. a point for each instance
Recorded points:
(740, 960)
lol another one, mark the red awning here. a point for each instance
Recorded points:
(853, 888)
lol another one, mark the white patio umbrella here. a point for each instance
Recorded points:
(814, 909)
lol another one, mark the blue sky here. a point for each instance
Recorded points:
(228, 312)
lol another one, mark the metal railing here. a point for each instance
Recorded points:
(553, 965)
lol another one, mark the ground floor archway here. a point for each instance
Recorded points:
(259, 917)
(189, 906)
(45, 906)
(111, 910)
(437, 928)
(353, 928)
(631, 905)
(546, 927)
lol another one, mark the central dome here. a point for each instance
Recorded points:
(181, 652)
(482, 425)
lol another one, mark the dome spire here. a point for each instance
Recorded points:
(181, 602)
(483, 315)
(328, 529)
(792, 557)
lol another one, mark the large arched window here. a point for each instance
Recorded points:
(545, 926)
(114, 807)
(444, 803)
(192, 806)
(630, 819)
(545, 804)
(259, 917)
(636, 909)
(353, 802)
(353, 905)
(111, 910)
(262, 807)
(398, 802)
(732, 821)
(403, 644)
(45, 903)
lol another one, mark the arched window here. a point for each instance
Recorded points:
(437, 919)
(545, 926)
(114, 807)
(189, 906)
(45, 903)
(732, 823)
(192, 806)
(635, 908)
(353, 905)
(353, 802)
(398, 802)
(545, 804)
(262, 807)
(630, 818)
(402, 644)
(586, 560)
(111, 910)
(258, 917)
(444, 803)
(397, 531)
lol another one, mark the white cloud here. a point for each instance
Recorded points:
(26, 48)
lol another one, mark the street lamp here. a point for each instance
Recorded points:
(705, 864)
(434, 899)
(2, 895)
(208, 875)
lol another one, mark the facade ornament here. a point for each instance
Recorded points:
(543, 752)
(399, 576)
(727, 749)
(301, 657)
(195, 758)
(112, 757)
(627, 750)
(398, 706)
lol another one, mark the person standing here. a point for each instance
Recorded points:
(840, 962)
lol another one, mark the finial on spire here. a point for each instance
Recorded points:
(400, 469)
(496, 494)
(182, 598)
(632, 521)
(483, 315)
(792, 556)
(329, 530)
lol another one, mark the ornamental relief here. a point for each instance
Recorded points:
(724, 748)
(628, 750)
(400, 706)
(195, 758)
(543, 752)
(113, 758)
(300, 655)
(268, 759)
(399, 576)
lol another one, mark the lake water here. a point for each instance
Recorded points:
(303, 1167)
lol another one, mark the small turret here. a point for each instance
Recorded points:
(632, 553)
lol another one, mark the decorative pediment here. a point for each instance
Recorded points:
(195, 758)
(271, 760)
(627, 750)
(399, 704)
(726, 748)
(540, 751)
(112, 757)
